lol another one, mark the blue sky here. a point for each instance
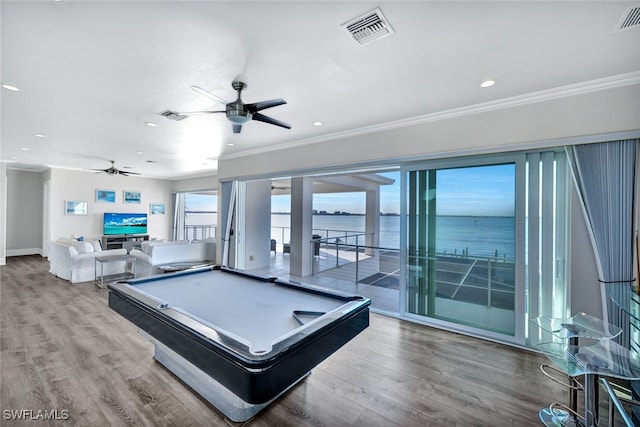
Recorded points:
(201, 202)
(478, 191)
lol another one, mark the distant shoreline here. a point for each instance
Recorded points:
(397, 214)
(361, 214)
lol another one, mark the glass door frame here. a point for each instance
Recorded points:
(519, 159)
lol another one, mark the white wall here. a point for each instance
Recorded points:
(585, 288)
(502, 129)
(3, 214)
(257, 224)
(82, 186)
(24, 213)
(202, 183)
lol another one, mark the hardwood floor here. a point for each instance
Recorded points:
(62, 348)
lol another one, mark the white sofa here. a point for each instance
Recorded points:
(74, 261)
(156, 253)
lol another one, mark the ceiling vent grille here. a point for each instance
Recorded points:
(172, 115)
(369, 27)
(630, 19)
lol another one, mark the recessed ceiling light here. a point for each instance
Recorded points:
(39, 135)
(230, 144)
(24, 149)
(318, 123)
(151, 124)
(139, 152)
(487, 83)
(11, 88)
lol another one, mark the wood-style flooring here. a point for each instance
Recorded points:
(62, 348)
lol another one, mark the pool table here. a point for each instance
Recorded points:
(239, 340)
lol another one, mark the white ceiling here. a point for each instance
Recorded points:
(92, 73)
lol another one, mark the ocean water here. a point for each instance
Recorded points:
(479, 236)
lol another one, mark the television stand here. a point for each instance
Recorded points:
(123, 241)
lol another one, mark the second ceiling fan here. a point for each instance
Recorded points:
(237, 111)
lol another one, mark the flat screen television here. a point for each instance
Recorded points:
(124, 223)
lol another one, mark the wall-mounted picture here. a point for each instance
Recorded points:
(73, 207)
(107, 196)
(132, 197)
(157, 208)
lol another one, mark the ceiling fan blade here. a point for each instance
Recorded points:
(262, 118)
(126, 173)
(209, 94)
(264, 105)
(237, 128)
(195, 113)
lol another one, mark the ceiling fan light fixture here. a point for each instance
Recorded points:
(238, 117)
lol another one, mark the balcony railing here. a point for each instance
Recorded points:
(488, 281)
(199, 232)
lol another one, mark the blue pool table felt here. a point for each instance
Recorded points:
(257, 313)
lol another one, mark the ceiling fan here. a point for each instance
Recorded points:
(114, 171)
(237, 111)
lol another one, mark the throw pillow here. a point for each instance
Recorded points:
(97, 246)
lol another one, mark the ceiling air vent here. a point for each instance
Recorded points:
(630, 19)
(369, 27)
(172, 115)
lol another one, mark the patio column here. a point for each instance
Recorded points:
(372, 220)
(301, 226)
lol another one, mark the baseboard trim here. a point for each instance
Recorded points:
(21, 252)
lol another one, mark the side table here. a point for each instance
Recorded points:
(128, 272)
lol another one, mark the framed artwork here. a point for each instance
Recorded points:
(107, 196)
(157, 208)
(131, 197)
(73, 207)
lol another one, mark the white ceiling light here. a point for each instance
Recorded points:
(11, 88)
(151, 124)
(318, 123)
(39, 135)
(24, 149)
(487, 83)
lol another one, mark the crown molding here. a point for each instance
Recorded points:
(589, 86)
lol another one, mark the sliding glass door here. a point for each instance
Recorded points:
(486, 242)
(461, 245)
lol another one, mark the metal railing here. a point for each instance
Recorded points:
(282, 235)
(199, 231)
(460, 276)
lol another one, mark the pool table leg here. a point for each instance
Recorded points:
(234, 408)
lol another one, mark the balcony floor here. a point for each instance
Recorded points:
(383, 299)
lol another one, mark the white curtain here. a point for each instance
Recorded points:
(604, 174)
